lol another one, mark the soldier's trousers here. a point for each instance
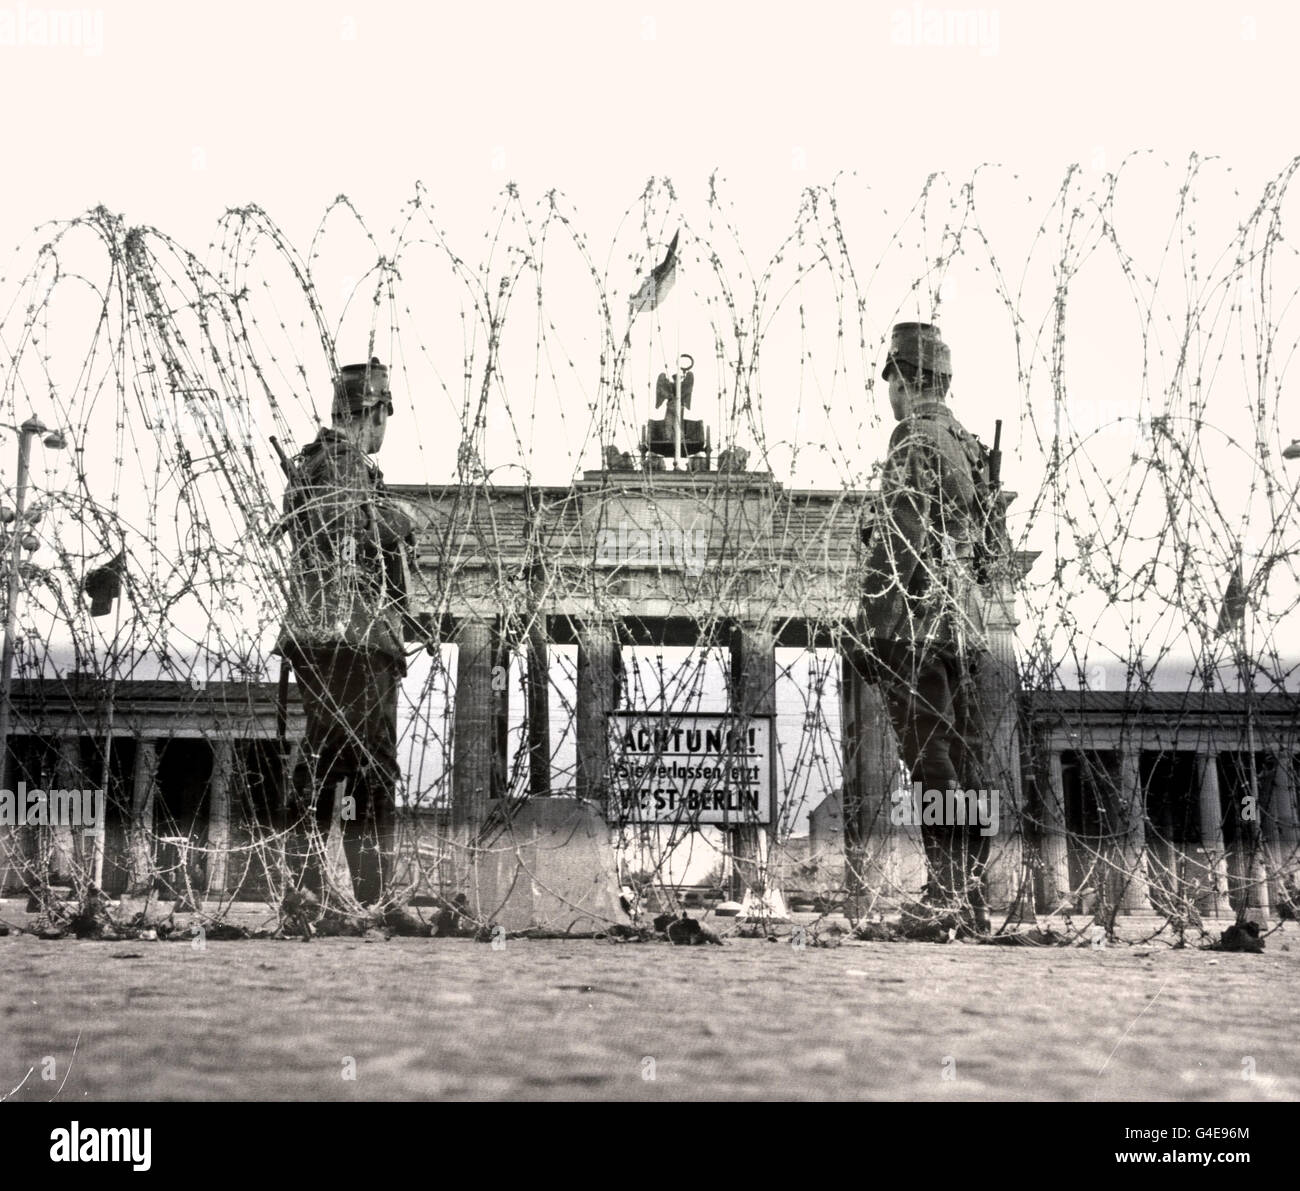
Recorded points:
(350, 700)
(937, 712)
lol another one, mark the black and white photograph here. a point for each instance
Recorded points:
(648, 552)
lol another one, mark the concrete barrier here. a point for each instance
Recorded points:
(552, 868)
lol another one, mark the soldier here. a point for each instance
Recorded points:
(921, 615)
(344, 629)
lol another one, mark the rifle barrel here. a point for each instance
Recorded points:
(285, 465)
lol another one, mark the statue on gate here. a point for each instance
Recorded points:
(673, 436)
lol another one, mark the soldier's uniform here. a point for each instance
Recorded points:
(921, 615)
(343, 635)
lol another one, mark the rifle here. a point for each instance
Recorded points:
(286, 465)
(992, 544)
(291, 474)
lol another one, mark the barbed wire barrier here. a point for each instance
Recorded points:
(1132, 331)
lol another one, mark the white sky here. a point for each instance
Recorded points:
(176, 112)
(289, 104)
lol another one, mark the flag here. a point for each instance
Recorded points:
(658, 284)
(104, 584)
(1234, 603)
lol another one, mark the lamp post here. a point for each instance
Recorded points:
(19, 539)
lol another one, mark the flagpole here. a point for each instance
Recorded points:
(677, 372)
(11, 597)
(677, 421)
(657, 333)
(650, 363)
(15, 544)
(660, 279)
(11, 608)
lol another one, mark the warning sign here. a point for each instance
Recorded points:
(691, 768)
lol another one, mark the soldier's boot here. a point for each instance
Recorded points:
(936, 913)
(974, 918)
(370, 862)
(365, 865)
(373, 860)
(968, 876)
(977, 900)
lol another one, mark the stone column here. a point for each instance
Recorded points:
(1213, 872)
(1054, 838)
(1136, 898)
(22, 850)
(1235, 853)
(473, 729)
(1270, 837)
(999, 681)
(753, 693)
(502, 657)
(870, 769)
(1249, 862)
(68, 775)
(1278, 824)
(537, 684)
(1288, 821)
(218, 841)
(1164, 856)
(143, 785)
(597, 672)
(95, 844)
(539, 707)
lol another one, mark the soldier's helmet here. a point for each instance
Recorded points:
(358, 387)
(919, 345)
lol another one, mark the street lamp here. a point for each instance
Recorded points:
(20, 539)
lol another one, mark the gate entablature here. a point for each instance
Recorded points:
(658, 545)
(655, 549)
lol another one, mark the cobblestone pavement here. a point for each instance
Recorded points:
(417, 1018)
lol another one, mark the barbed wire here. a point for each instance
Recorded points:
(1133, 332)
